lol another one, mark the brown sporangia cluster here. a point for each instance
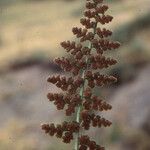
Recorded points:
(64, 131)
(87, 57)
(86, 143)
(66, 84)
(61, 100)
(89, 119)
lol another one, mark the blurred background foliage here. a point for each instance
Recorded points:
(30, 33)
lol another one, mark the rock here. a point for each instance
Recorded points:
(131, 102)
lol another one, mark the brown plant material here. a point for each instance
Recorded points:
(77, 96)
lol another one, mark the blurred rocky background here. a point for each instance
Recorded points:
(30, 33)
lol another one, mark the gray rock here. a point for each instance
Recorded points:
(131, 102)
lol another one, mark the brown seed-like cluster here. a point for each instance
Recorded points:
(94, 102)
(66, 84)
(87, 57)
(96, 120)
(96, 79)
(64, 131)
(86, 143)
(61, 100)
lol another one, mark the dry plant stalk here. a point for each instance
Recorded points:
(83, 66)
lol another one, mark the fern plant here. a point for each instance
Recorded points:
(84, 64)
